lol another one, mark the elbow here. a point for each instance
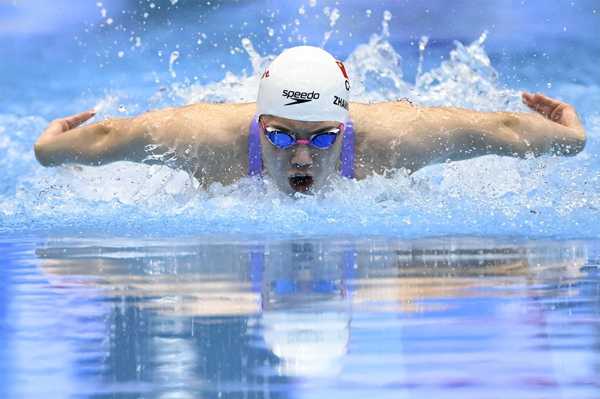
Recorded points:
(573, 144)
(580, 142)
(41, 154)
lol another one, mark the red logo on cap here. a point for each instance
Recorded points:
(343, 69)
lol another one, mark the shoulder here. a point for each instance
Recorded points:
(376, 121)
(364, 112)
(226, 116)
(206, 123)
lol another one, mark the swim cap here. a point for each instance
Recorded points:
(305, 83)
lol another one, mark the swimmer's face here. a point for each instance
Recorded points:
(302, 167)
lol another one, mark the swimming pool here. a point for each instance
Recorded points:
(460, 280)
(446, 317)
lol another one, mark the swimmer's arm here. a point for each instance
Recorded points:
(554, 128)
(188, 134)
(65, 141)
(396, 135)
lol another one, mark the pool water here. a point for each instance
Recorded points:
(205, 317)
(469, 279)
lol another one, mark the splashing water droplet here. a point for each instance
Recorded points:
(172, 59)
(301, 10)
(482, 38)
(173, 2)
(549, 85)
(423, 43)
(120, 54)
(385, 24)
(422, 46)
(312, 3)
(109, 21)
(122, 108)
(270, 32)
(333, 17)
(258, 63)
(368, 12)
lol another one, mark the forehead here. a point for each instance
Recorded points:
(297, 125)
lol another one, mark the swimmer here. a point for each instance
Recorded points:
(303, 129)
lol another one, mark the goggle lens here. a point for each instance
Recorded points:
(323, 140)
(280, 139)
(283, 140)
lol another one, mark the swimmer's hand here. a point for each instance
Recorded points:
(55, 129)
(62, 125)
(555, 110)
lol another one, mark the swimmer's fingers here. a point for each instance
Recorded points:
(71, 122)
(540, 103)
(62, 125)
(555, 110)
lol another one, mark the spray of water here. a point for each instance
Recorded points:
(488, 195)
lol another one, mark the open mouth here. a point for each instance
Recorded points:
(301, 183)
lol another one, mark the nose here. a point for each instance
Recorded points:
(301, 158)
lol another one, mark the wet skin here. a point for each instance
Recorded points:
(301, 168)
(210, 141)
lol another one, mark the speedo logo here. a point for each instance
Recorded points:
(300, 97)
(340, 102)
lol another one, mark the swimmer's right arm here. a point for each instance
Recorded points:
(206, 133)
(65, 141)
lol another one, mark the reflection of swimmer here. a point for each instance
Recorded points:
(283, 277)
(303, 127)
(306, 312)
(303, 294)
(434, 269)
(307, 343)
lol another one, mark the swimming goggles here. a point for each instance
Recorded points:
(285, 140)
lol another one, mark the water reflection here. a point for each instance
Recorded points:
(277, 319)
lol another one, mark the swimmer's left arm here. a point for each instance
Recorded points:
(395, 135)
(553, 129)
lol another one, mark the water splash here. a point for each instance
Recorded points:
(464, 80)
(488, 195)
(422, 46)
(333, 15)
(375, 68)
(172, 60)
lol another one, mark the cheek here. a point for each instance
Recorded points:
(325, 161)
(275, 161)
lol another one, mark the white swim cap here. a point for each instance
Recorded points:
(305, 83)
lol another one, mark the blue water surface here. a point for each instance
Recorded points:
(448, 317)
